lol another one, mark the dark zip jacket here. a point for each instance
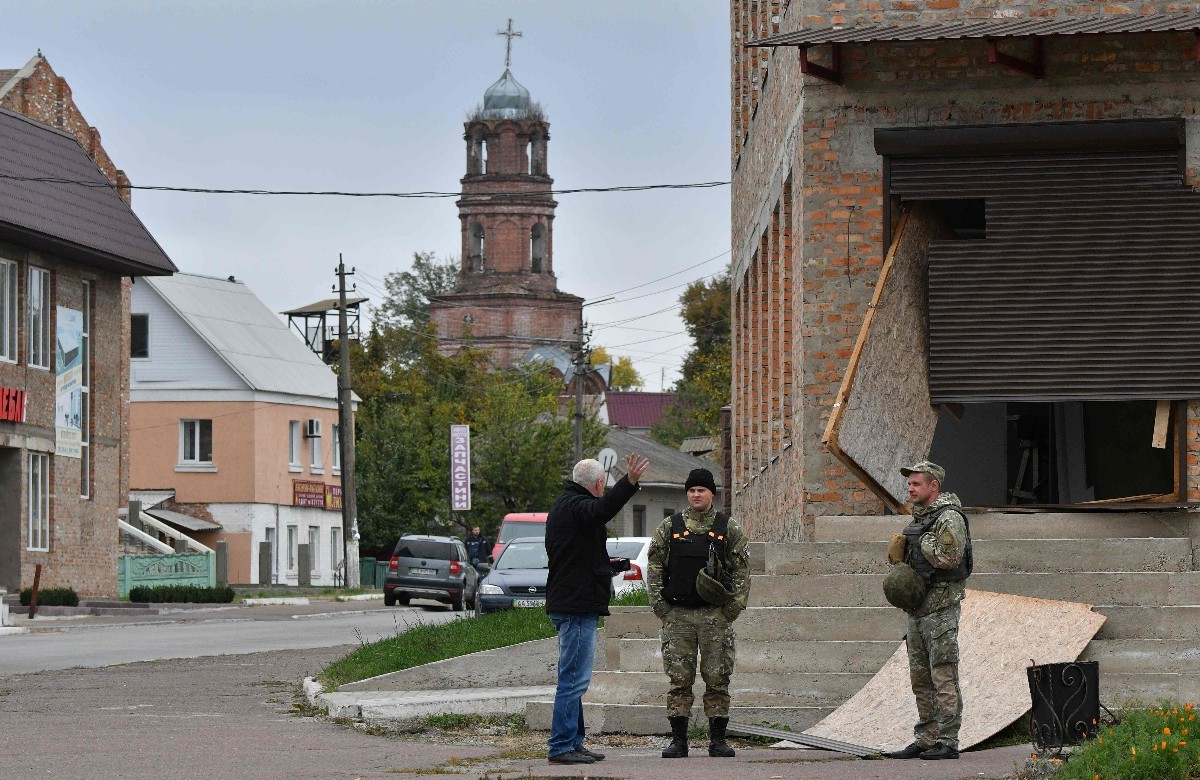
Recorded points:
(580, 576)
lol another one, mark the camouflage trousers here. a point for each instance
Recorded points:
(933, 669)
(687, 631)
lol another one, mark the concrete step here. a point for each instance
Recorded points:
(866, 590)
(1020, 525)
(765, 689)
(779, 623)
(1120, 690)
(1010, 555)
(645, 655)
(1139, 656)
(608, 717)
(1163, 623)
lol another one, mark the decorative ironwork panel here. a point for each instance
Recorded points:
(1066, 703)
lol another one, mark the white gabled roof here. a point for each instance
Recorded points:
(247, 335)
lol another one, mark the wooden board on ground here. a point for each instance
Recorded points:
(998, 635)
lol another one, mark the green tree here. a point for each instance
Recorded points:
(409, 292)
(706, 376)
(624, 375)
(411, 394)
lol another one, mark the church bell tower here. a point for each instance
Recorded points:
(506, 297)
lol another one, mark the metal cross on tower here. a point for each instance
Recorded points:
(509, 34)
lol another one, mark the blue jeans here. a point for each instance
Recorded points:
(576, 651)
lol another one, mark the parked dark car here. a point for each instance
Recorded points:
(518, 578)
(430, 567)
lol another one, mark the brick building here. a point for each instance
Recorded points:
(67, 255)
(967, 230)
(506, 299)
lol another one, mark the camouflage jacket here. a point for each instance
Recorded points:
(737, 561)
(943, 546)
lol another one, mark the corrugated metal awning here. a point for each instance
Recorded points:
(182, 520)
(1086, 285)
(1107, 24)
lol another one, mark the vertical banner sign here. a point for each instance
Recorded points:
(68, 404)
(460, 468)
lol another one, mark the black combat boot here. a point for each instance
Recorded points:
(679, 746)
(717, 746)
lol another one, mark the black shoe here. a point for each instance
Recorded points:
(717, 746)
(912, 751)
(938, 752)
(679, 743)
(571, 757)
(590, 753)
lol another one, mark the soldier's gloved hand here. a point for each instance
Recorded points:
(661, 608)
(731, 611)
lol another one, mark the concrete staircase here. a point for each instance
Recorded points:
(818, 626)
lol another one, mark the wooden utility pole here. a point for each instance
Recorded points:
(351, 578)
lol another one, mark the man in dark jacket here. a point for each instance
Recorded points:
(478, 546)
(577, 591)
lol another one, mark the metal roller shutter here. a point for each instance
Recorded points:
(1086, 286)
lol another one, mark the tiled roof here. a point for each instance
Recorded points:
(668, 466)
(637, 410)
(5, 77)
(87, 223)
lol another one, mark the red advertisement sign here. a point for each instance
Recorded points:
(12, 404)
(308, 494)
(333, 497)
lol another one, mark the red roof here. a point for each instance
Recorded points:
(637, 410)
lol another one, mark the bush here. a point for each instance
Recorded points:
(51, 597)
(180, 594)
(1155, 744)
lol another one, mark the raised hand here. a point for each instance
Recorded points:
(635, 466)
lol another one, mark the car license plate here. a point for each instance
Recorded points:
(529, 602)
(423, 571)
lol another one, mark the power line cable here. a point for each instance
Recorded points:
(424, 194)
(668, 276)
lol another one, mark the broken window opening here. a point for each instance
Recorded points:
(537, 248)
(1055, 453)
(476, 253)
(967, 217)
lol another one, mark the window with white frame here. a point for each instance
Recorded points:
(8, 311)
(39, 501)
(315, 455)
(294, 444)
(335, 548)
(314, 549)
(195, 442)
(293, 546)
(85, 399)
(337, 448)
(139, 336)
(38, 296)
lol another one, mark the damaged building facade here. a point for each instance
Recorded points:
(965, 233)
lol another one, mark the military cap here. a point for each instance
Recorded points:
(925, 467)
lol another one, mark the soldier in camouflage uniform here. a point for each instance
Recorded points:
(699, 582)
(937, 545)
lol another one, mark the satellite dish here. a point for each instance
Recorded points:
(607, 458)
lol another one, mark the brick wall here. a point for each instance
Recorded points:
(46, 97)
(814, 140)
(83, 543)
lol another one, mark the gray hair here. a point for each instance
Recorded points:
(587, 472)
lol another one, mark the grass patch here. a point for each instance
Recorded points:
(1017, 733)
(635, 597)
(423, 644)
(1151, 744)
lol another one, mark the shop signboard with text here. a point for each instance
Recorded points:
(460, 468)
(68, 391)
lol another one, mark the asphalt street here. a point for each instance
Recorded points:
(222, 700)
(63, 643)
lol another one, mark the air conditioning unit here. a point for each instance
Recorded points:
(312, 429)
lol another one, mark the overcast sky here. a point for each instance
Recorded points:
(371, 96)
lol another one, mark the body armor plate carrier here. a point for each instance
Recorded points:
(921, 565)
(688, 556)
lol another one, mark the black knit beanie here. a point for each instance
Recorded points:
(701, 478)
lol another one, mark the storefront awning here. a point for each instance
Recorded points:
(183, 521)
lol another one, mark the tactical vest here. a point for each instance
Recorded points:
(688, 555)
(921, 565)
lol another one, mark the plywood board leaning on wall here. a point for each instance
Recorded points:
(882, 418)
